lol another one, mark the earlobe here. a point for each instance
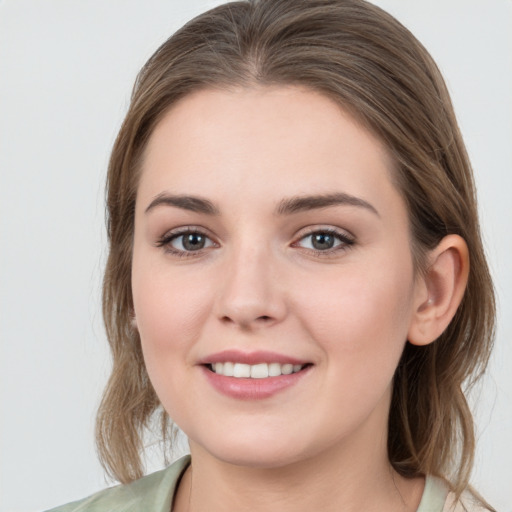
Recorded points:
(440, 290)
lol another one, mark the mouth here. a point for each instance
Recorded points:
(253, 375)
(253, 379)
(254, 371)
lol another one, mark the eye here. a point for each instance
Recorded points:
(325, 240)
(185, 243)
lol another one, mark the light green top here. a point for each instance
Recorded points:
(155, 492)
(151, 493)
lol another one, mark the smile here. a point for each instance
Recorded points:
(254, 371)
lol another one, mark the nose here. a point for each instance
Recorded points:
(251, 294)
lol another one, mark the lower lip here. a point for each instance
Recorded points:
(253, 389)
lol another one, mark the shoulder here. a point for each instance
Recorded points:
(468, 502)
(437, 497)
(152, 493)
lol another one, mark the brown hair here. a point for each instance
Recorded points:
(366, 61)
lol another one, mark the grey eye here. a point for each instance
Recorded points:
(323, 241)
(191, 242)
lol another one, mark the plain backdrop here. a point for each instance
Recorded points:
(66, 72)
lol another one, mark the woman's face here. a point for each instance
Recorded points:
(270, 238)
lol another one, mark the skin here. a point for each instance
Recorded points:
(260, 284)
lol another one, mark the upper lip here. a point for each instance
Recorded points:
(255, 357)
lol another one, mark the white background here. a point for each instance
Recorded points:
(66, 71)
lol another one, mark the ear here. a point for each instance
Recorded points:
(439, 290)
(133, 320)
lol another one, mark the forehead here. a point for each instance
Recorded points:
(264, 142)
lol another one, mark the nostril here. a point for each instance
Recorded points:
(247, 317)
(263, 319)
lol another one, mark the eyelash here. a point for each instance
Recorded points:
(346, 241)
(166, 240)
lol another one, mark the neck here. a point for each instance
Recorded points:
(347, 478)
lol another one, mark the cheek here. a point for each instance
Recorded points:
(169, 310)
(361, 313)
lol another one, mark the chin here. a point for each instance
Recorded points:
(257, 458)
(255, 451)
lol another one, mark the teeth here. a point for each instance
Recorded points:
(274, 370)
(228, 369)
(259, 371)
(242, 370)
(255, 371)
(286, 369)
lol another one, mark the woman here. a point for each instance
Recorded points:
(296, 275)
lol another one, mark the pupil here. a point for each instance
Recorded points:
(193, 242)
(323, 241)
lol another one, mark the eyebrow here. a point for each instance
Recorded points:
(313, 202)
(287, 206)
(191, 203)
